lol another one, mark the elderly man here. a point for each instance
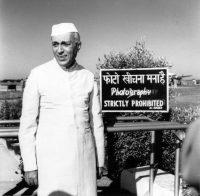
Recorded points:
(61, 130)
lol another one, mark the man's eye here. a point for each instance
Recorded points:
(66, 44)
(55, 44)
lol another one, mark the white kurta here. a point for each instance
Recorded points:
(62, 145)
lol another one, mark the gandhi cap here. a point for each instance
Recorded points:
(62, 28)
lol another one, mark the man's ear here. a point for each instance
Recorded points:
(79, 46)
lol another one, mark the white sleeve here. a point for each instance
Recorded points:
(97, 125)
(28, 123)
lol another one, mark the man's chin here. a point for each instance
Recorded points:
(65, 64)
(62, 63)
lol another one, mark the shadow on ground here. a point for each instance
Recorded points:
(21, 188)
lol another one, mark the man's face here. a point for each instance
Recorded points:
(65, 49)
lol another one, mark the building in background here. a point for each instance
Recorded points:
(12, 85)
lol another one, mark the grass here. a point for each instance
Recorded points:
(185, 97)
(9, 95)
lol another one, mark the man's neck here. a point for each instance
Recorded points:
(71, 67)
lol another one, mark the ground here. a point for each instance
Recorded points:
(105, 188)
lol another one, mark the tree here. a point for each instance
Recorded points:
(136, 57)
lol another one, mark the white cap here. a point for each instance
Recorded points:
(62, 28)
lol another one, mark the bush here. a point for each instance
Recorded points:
(10, 110)
(186, 114)
(136, 57)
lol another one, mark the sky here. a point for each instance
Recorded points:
(170, 28)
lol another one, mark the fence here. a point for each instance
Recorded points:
(130, 124)
(9, 129)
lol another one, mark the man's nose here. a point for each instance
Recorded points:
(60, 49)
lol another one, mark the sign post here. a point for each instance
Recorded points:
(134, 90)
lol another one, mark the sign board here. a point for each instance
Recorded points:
(134, 90)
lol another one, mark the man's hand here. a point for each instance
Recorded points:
(100, 171)
(31, 177)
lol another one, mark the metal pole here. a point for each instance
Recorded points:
(177, 169)
(152, 159)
